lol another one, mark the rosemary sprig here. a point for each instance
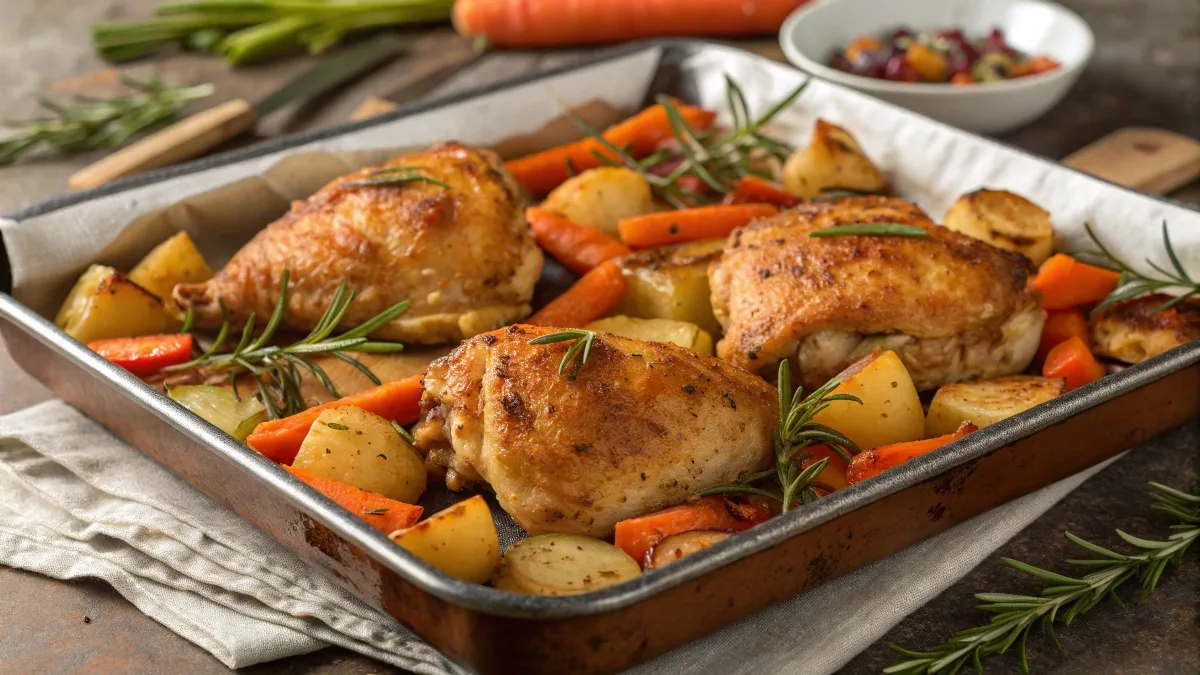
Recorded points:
(1016, 615)
(873, 229)
(578, 352)
(404, 434)
(394, 175)
(1133, 283)
(87, 124)
(796, 432)
(277, 369)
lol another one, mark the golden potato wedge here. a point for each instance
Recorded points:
(682, 333)
(671, 282)
(566, 564)
(986, 402)
(833, 160)
(460, 541)
(175, 261)
(678, 546)
(359, 448)
(598, 198)
(105, 304)
(890, 411)
(1004, 220)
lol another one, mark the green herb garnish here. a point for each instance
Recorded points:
(394, 175)
(872, 229)
(581, 349)
(1133, 283)
(404, 435)
(335, 425)
(374, 512)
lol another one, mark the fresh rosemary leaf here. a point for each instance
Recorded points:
(1133, 283)
(338, 427)
(391, 177)
(578, 352)
(872, 229)
(189, 318)
(375, 512)
(407, 437)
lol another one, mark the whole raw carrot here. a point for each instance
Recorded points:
(548, 23)
(703, 222)
(639, 135)
(592, 297)
(280, 439)
(1064, 282)
(579, 248)
(384, 514)
(873, 462)
(1071, 359)
(638, 536)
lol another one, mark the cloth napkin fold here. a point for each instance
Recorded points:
(77, 502)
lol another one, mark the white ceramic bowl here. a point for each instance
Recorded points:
(811, 34)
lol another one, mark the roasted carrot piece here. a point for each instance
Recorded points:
(592, 297)
(145, 355)
(1061, 325)
(1034, 65)
(1064, 282)
(578, 247)
(1071, 359)
(384, 514)
(834, 473)
(638, 536)
(873, 462)
(753, 189)
(639, 135)
(280, 439)
(703, 222)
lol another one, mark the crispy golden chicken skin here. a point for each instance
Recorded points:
(1132, 332)
(642, 426)
(463, 254)
(952, 307)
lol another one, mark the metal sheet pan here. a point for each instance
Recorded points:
(493, 631)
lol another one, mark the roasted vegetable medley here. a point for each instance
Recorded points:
(938, 56)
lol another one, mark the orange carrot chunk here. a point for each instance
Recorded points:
(280, 439)
(869, 463)
(1034, 65)
(638, 536)
(146, 355)
(555, 23)
(676, 227)
(1061, 325)
(1071, 359)
(639, 135)
(577, 247)
(1064, 282)
(834, 473)
(753, 189)
(384, 514)
(592, 297)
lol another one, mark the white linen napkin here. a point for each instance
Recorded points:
(77, 502)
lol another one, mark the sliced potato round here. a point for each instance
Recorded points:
(220, 407)
(359, 448)
(987, 401)
(566, 564)
(461, 541)
(598, 198)
(1004, 220)
(502, 580)
(676, 547)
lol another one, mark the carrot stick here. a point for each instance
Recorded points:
(639, 135)
(638, 536)
(1061, 325)
(1071, 359)
(551, 23)
(145, 355)
(870, 463)
(592, 297)
(280, 439)
(675, 227)
(579, 248)
(384, 514)
(1064, 282)
(751, 189)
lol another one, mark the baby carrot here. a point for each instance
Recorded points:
(592, 297)
(638, 536)
(703, 222)
(384, 514)
(869, 463)
(579, 248)
(280, 439)
(1071, 359)
(1064, 282)
(1061, 325)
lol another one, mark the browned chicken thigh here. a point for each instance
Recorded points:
(453, 242)
(1133, 330)
(952, 307)
(643, 425)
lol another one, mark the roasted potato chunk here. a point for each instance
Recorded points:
(105, 304)
(461, 541)
(890, 411)
(833, 160)
(175, 261)
(671, 282)
(564, 564)
(1004, 220)
(598, 198)
(359, 448)
(986, 402)
(682, 333)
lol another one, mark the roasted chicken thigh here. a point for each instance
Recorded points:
(952, 307)
(453, 242)
(643, 425)
(1133, 331)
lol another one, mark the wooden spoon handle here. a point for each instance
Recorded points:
(186, 139)
(1143, 158)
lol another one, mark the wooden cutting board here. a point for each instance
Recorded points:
(1151, 160)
